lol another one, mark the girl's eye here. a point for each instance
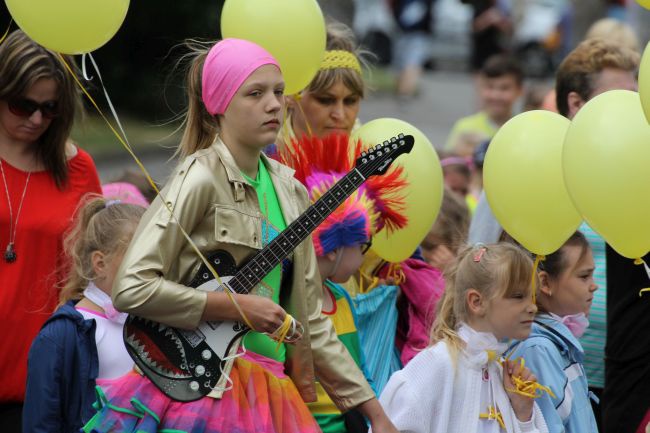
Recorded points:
(351, 101)
(255, 93)
(518, 295)
(279, 92)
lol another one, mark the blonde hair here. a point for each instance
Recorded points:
(99, 226)
(22, 63)
(615, 31)
(201, 127)
(340, 37)
(493, 270)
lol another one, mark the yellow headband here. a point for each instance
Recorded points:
(340, 59)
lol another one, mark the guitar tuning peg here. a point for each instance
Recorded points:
(393, 139)
(400, 136)
(386, 143)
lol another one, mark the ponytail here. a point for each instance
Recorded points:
(201, 127)
(99, 226)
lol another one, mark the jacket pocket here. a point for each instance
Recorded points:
(235, 227)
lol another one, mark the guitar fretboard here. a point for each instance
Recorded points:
(264, 261)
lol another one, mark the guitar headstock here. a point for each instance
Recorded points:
(376, 160)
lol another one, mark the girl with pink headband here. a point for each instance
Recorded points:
(226, 195)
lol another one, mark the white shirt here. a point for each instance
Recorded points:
(114, 360)
(433, 395)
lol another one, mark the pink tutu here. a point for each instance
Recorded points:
(262, 400)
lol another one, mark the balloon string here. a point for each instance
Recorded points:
(6, 31)
(168, 205)
(538, 258)
(527, 388)
(640, 261)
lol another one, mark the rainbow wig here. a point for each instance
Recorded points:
(378, 203)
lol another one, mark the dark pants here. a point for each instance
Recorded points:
(11, 415)
(598, 407)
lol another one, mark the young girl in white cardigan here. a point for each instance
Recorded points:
(459, 384)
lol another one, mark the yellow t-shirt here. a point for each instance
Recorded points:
(469, 132)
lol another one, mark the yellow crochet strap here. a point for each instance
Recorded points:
(492, 355)
(396, 272)
(280, 334)
(336, 59)
(6, 31)
(642, 291)
(153, 185)
(528, 388)
(494, 414)
(374, 281)
(538, 258)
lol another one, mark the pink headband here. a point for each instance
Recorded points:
(229, 63)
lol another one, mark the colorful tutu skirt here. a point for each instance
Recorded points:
(262, 400)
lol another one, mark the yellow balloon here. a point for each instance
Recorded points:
(292, 30)
(644, 81)
(423, 193)
(522, 177)
(644, 3)
(69, 26)
(606, 169)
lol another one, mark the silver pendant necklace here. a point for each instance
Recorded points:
(10, 251)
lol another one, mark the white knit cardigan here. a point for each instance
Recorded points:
(431, 396)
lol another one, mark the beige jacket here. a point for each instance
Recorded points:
(220, 210)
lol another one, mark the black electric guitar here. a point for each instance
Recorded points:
(185, 365)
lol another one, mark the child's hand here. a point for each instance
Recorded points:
(522, 405)
(264, 314)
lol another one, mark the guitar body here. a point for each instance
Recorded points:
(185, 364)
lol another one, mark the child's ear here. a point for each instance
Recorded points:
(98, 261)
(475, 302)
(545, 283)
(331, 256)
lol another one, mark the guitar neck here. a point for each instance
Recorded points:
(265, 260)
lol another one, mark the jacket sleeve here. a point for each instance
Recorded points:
(547, 365)
(417, 398)
(336, 370)
(43, 407)
(141, 287)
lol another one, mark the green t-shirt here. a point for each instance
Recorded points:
(272, 224)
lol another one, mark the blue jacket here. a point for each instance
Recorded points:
(61, 370)
(555, 356)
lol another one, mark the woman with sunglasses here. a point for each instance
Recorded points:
(43, 176)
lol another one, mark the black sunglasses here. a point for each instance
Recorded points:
(26, 107)
(365, 246)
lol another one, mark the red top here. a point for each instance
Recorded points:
(28, 286)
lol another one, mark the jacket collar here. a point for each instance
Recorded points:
(561, 335)
(234, 173)
(67, 311)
